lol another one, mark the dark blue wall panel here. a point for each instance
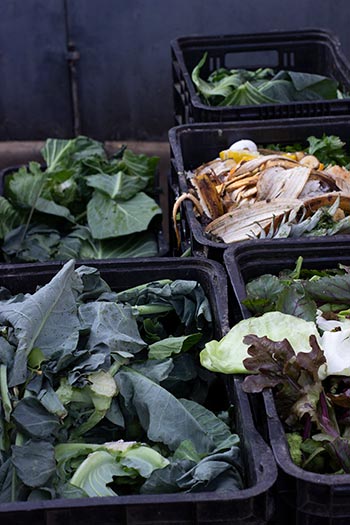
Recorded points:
(124, 70)
(34, 81)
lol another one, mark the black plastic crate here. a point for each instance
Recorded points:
(250, 506)
(305, 498)
(311, 51)
(194, 144)
(156, 226)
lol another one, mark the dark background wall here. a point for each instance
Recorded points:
(123, 73)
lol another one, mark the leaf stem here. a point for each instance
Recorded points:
(6, 401)
(19, 442)
(40, 187)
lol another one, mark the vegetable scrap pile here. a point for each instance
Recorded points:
(250, 192)
(243, 87)
(102, 393)
(82, 205)
(307, 366)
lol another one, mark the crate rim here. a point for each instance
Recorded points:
(197, 127)
(304, 32)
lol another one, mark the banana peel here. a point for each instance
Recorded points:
(247, 220)
(208, 196)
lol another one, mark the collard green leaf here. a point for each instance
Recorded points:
(172, 422)
(10, 218)
(186, 451)
(62, 187)
(115, 415)
(172, 345)
(218, 471)
(47, 319)
(55, 151)
(187, 298)
(50, 400)
(120, 186)
(80, 245)
(36, 243)
(61, 193)
(185, 368)
(157, 371)
(111, 324)
(141, 166)
(164, 481)
(87, 361)
(244, 87)
(6, 478)
(51, 208)
(7, 352)
(69, 247)
(211, 424)
(247, 95)
(61, 153)
(334, 289)
(294, 300)
(320, 86)
(93, 284)
(108, 218)
(279, 90)
(34, 462)
(221, 87)
(142, 244)
(32, 418)
(27, 189)
(263, 293)
(24, 186)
